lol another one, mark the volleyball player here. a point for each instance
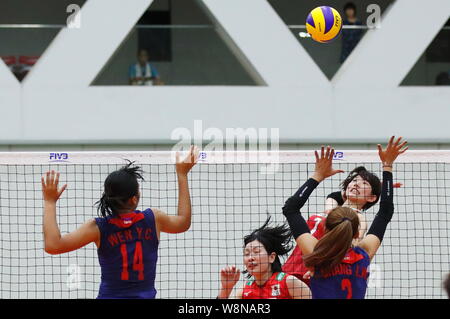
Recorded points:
(262, 251)
(127, 239)
(360, 191)
(338, 268)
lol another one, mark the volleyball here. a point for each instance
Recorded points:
(324, 24)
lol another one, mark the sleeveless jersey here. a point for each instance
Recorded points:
(348, 280)
(294, 264)
(274, 288)
(127, 255)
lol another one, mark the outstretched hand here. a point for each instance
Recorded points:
(324, 164)
(184, 166)
(50, 189)
(392, 151)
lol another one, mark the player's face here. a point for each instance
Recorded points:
(256, 259)
(359, 191)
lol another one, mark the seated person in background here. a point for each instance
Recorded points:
(350, 37)
(143, 73)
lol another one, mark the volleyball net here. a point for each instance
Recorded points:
(232, 193)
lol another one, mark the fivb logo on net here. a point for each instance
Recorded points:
(59, 157)
(232, 145)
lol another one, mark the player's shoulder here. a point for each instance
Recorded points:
(360, 250)
(98, 221)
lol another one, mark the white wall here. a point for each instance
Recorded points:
(356, 107)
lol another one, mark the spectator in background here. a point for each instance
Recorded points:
(143, 73)
(350, 37)
(443, 78)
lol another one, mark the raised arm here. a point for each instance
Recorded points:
(291, 209)
(54, 243)
(182, 221)
(375, 235)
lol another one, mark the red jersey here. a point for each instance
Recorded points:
(294, 264)
(274, 288)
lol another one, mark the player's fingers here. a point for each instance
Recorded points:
(380, 150)
(391, 140)
(402, 145)
(62, 190)
(57, 178)
(327, 152)
(191, 154)
(47, 178)
(404, 150)
(43, 182)
(322, 151)
(332, 153)
(317, 155)
(195, 154)
(398, 141)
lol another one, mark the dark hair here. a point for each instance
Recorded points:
(274, 239)
(350, 5)
(342, 225)
(119, 187)
(369, 177)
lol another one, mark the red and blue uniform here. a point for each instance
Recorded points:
(128, 255)
(347, 280)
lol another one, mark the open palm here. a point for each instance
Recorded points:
(392, 151)
(324, 164)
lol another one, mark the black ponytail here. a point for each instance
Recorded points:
(119, 187)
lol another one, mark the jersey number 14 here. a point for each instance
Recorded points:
(138, 262)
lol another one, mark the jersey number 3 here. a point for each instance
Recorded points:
(346, 284)
(138, 262)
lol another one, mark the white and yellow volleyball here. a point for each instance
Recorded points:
(324, 24)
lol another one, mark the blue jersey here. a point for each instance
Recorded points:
(348, 280)
(128, 254)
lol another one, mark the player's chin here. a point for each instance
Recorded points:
(356, 199)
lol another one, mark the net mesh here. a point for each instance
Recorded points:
(229, 201)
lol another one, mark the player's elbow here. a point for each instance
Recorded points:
(185, 226)
(52, 249)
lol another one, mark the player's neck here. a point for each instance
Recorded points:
(125, 211)
(355, 206)
(260, 280)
